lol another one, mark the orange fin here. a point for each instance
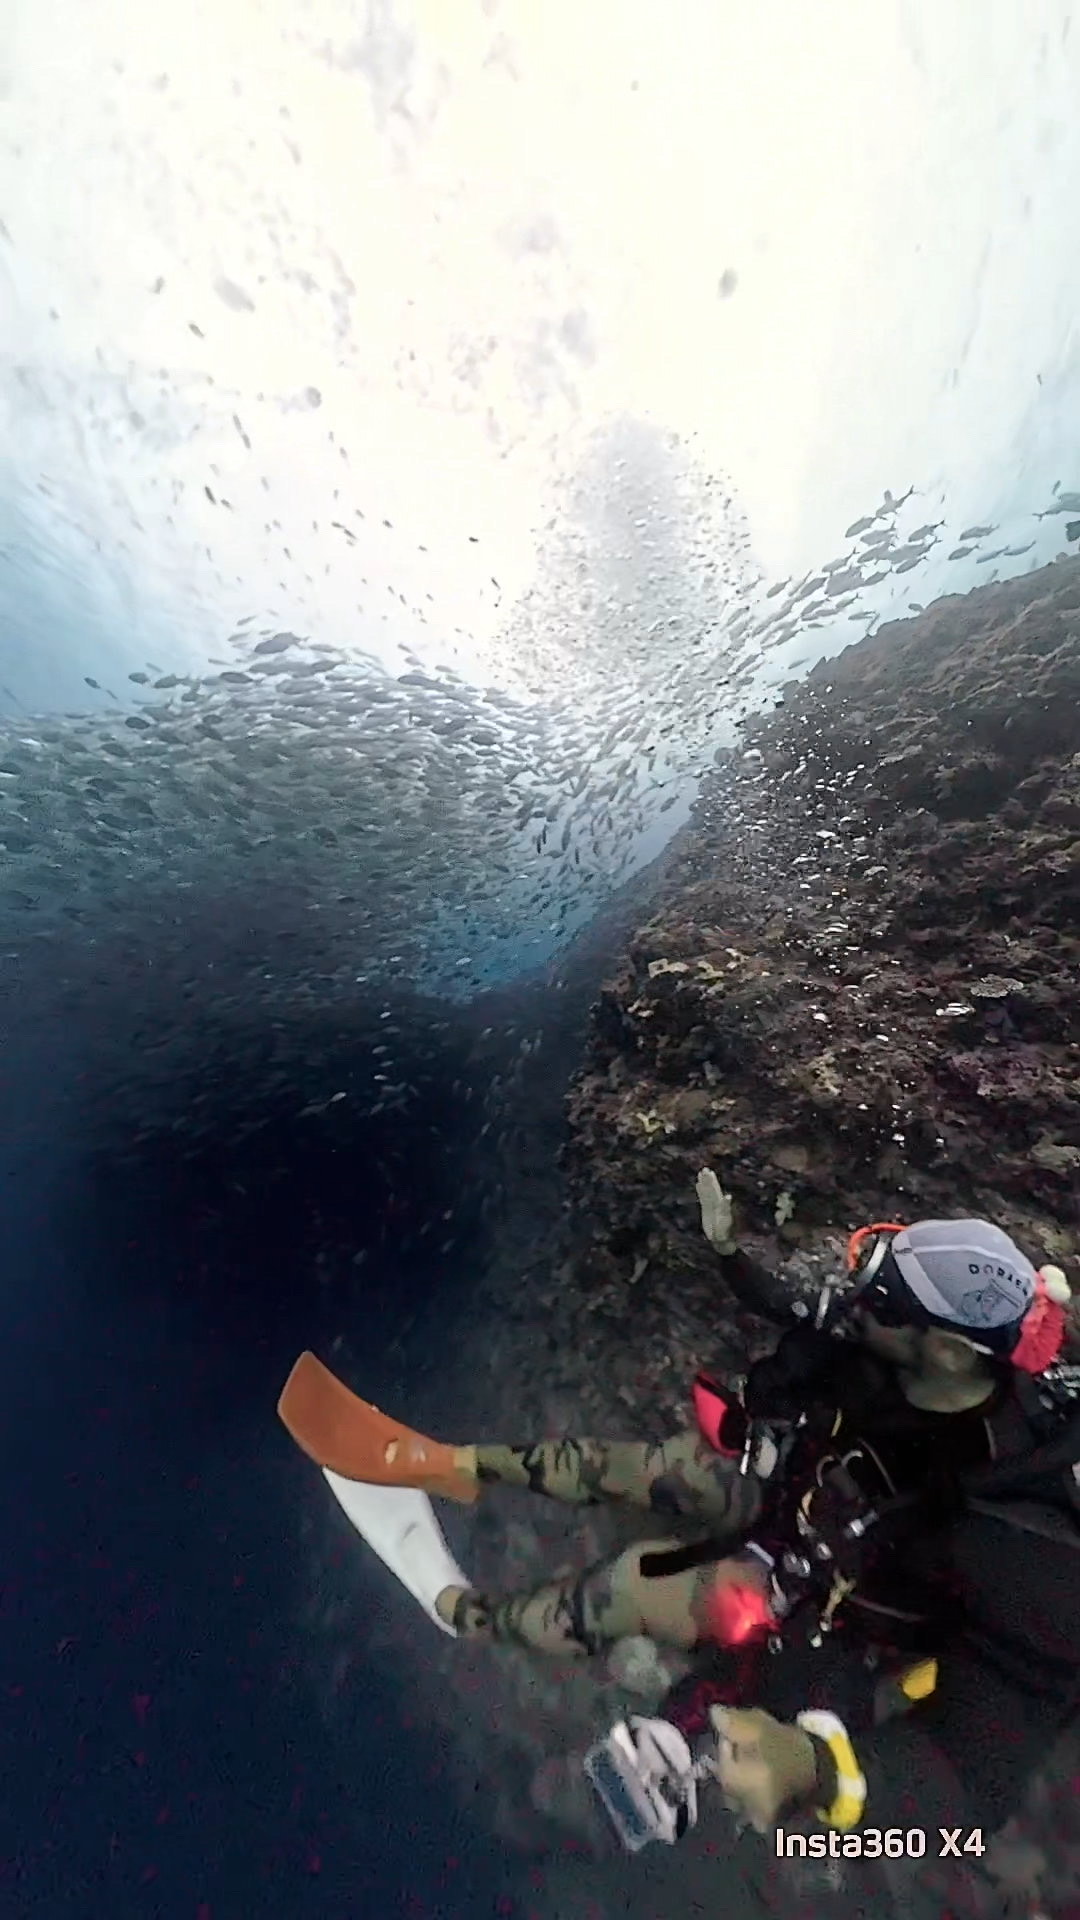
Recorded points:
(337, 1429)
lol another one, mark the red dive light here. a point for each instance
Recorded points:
(737, 1613)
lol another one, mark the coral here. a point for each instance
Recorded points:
(857, 997)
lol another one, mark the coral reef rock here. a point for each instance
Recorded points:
(857, 998)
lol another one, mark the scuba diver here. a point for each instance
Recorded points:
(886, 1512)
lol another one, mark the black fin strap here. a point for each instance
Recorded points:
(654, 1566)
(592, 1643)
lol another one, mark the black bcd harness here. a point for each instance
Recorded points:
(832, 1527)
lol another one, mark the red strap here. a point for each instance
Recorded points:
(711, 1409)
(1043, 1332)
(862, 1234)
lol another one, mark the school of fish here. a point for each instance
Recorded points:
(302, 827)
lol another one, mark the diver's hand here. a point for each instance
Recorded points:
(717, 1212)
(765, 1765)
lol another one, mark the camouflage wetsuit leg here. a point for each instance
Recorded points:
(682, 1475)
(582, 1613)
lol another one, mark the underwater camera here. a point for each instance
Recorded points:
(646, 1779)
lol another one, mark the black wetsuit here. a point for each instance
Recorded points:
(997, 1564)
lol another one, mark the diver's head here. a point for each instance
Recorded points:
(951, 1301)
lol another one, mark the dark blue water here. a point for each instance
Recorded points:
(159, 1702)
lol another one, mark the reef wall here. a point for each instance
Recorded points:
(858, 996)
(894, 852)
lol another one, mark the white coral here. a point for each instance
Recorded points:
(717, 1212)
